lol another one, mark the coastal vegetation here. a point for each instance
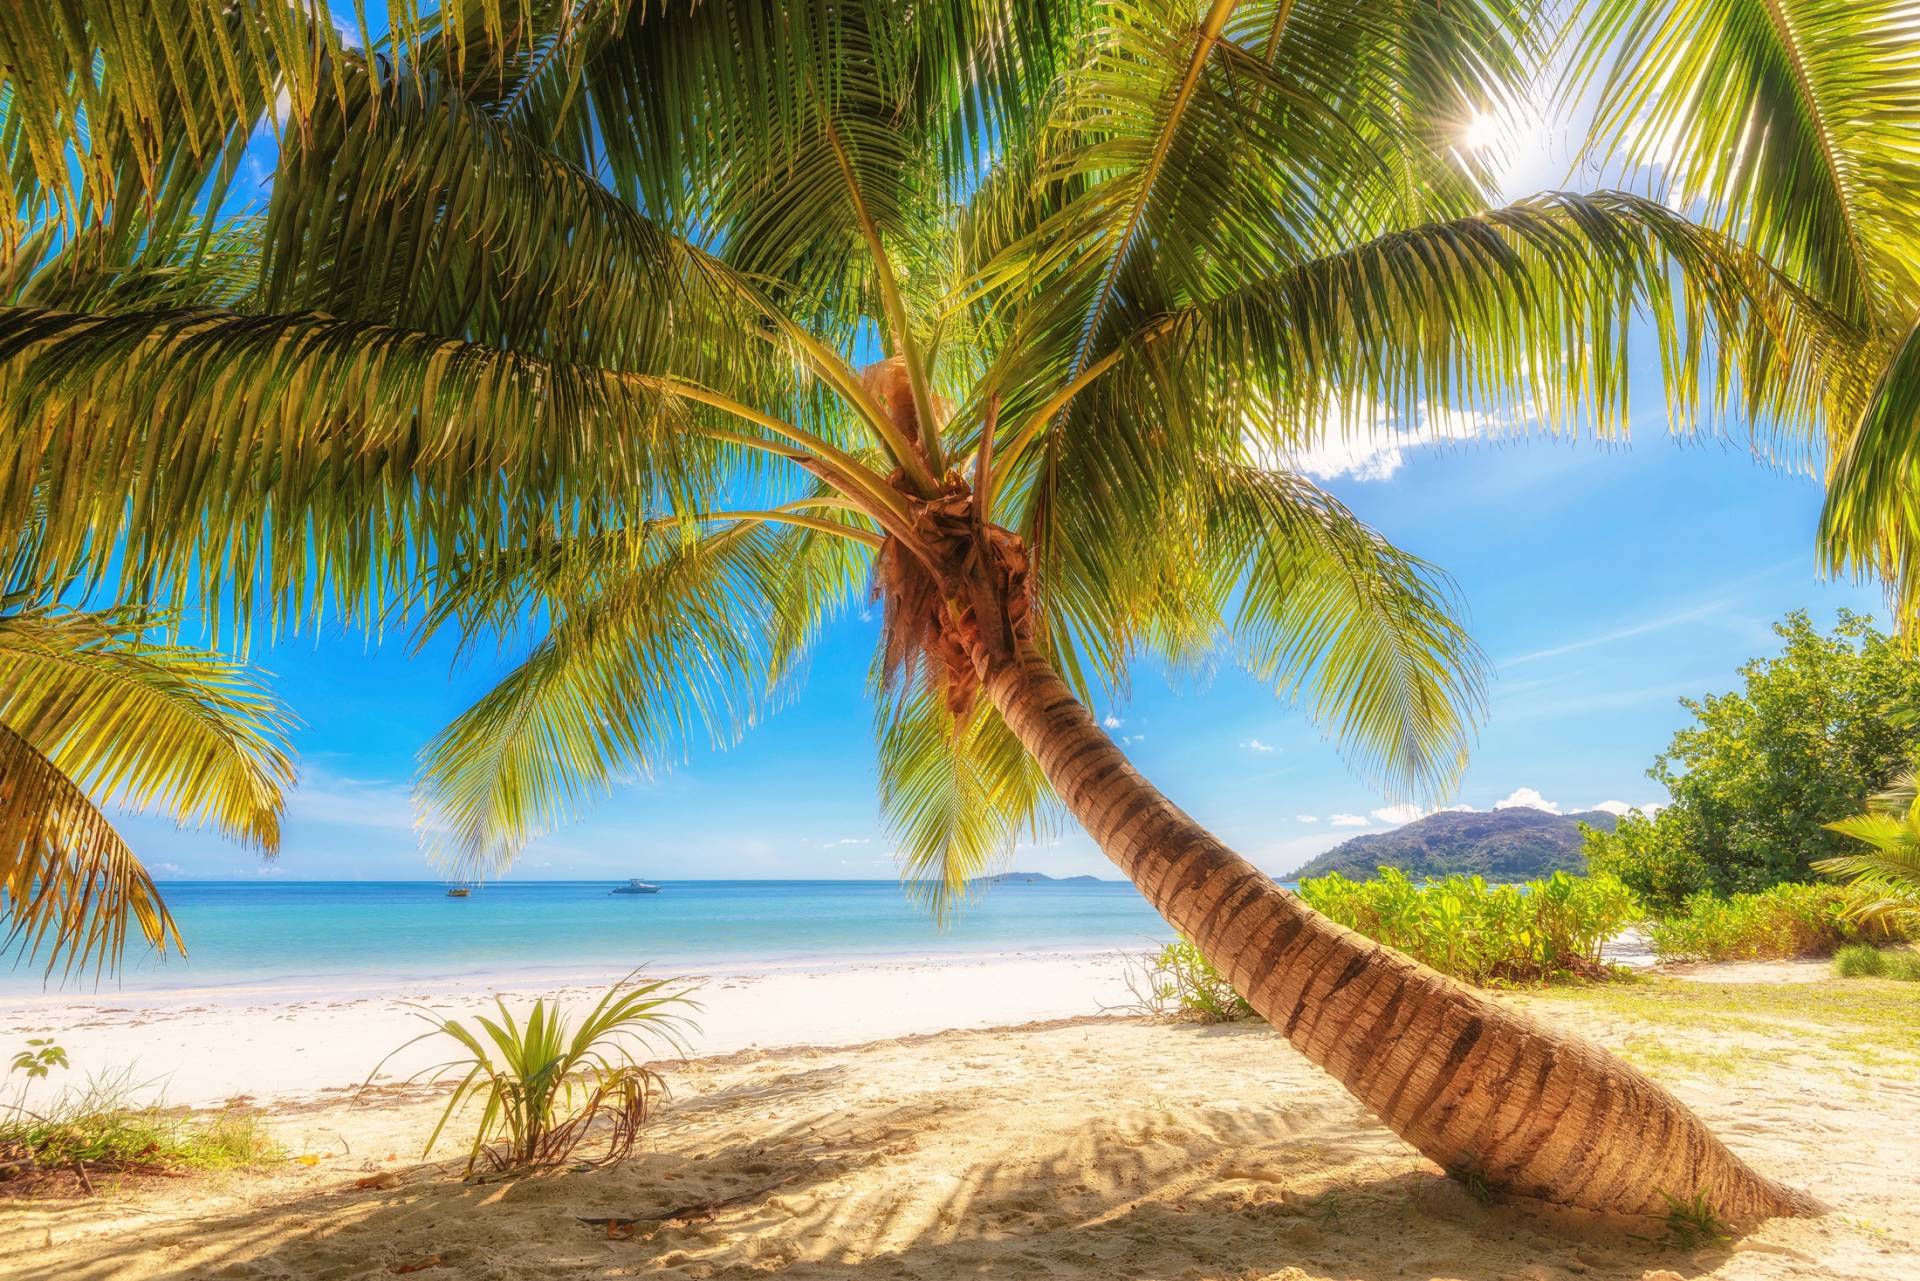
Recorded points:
(1785, 921)
(1764, 773)
(651, 340)
(1885, 877)
(101, 1127)
(1542, 931)
(1865, 961)
(550, 1090)
(1179, 982)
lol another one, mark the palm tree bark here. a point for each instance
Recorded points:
(1476, 1086)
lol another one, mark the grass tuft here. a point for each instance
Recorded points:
(1692, 1222)
(98, 1127)
(1865, 961)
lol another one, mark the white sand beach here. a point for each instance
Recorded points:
(199, 1047)
(825, 1130)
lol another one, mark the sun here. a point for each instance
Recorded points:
(1482, 131)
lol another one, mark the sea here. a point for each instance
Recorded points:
(346, 936)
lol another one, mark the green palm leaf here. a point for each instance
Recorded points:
(91, 714)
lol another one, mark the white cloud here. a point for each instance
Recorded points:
(1254, 744)
(1679, 618)
(1367, 443)
(323, 797)
(848, 840)
(167, 869)
(1112, 722)
(1306, 818)
(1133, 738)
(1527, 798)
(1622, 809)
(1348, 820)
(1394, 815)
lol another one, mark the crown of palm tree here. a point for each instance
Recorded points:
(604, 272)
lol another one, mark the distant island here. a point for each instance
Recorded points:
(1033, 878)
(1517, 844)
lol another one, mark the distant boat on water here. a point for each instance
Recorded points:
(459, 891)
(637, 886)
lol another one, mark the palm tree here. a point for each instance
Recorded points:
(94, 712)
(652, 337)
(1886, 880)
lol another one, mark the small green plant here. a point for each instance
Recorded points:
(1470, 1175)
(1692, 1222)
(1784, 921)
(1538, 932)
(1859, 961)
(100, 1127)
(39, 1058)
(1177, 981)
(1864, 961)
(548, 1088)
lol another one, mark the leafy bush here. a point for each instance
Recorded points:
(1762, 771)
(1864, 961)
(547, 1088)
(1178, 981)
(1653, 859)
(1461, 926)
(1785, 921)
(99, 1127)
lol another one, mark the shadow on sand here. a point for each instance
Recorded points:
(827, 1190)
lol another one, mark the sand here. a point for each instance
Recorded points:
(1075, 1150)
(197, 1047)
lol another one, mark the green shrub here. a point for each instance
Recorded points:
(1785, 921)
(546, 1088)
(1865, 961)
(1859, 961)
(1653, 858)
(1537, 932)
(99, 1126)
(1177, 981)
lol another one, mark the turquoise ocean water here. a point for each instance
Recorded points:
(347, 935)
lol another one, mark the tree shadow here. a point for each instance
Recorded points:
(824, 1187)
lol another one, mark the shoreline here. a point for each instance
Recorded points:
(203, 1047)
(424, 985)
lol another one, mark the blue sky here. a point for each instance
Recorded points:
(1604, 583)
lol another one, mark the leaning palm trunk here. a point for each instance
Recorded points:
(1478, 1087)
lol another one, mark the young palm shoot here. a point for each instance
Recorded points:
(551, 1091)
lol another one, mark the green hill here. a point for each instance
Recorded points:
(1517, 844)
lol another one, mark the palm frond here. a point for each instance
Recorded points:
(1793, 123)
(956, 792)
(69, 886)
(689, 637)
(303, 460)
(1366, 636)
(1886, 878)
(146, 726)
(120, 115)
